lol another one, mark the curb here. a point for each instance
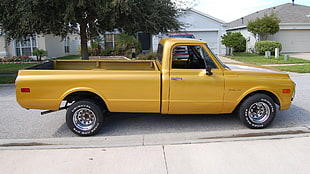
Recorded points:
(154, 139)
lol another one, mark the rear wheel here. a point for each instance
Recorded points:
(84, 118)
(257, 111)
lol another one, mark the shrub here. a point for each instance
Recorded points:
(241, 47)
(148, 56)
(107, 52)
(267, 45)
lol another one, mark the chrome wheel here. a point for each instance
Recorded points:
(259, 112)
(84, 119)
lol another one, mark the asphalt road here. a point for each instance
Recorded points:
(19, 123)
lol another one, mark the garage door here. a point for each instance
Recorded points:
(209, 36)
(293, 40)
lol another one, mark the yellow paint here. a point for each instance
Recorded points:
(153, 86)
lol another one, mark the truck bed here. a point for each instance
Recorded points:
(123, 85)
(145, 65)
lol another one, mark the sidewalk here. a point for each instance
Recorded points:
(281, 153)
(259, 156)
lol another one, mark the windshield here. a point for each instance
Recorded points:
(191, 57)
(219, 60)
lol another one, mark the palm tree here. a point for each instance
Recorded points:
(39, 53)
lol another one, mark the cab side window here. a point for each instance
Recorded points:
(190, 57)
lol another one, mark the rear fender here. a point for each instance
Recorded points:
(82, 89)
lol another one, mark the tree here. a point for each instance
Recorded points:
(144, 15)
(39, 53)
(95, 46)
(264, 27)
(89, 18)
(126, 42)
(234, 40)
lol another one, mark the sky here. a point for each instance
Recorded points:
(229, 10)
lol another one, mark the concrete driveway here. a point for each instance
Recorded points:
(305, 56)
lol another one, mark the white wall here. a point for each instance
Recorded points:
(54, 46)
(249, 37)
(203, 26)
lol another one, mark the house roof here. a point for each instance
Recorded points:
(287, 13)
(207, 16)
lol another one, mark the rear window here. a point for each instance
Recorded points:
(182, 36)
(160, 52)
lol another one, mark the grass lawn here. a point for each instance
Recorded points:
(261, 60)
(7, 79)
(71, 57)
(13, 68)
(295, 68)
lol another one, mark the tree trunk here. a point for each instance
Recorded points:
(231, 51)
(83, 35)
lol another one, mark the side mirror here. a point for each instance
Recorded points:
(208, 71)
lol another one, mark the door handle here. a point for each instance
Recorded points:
(176, 78)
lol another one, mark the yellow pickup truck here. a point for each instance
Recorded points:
(197, 84)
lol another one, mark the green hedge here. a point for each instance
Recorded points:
(267, 45)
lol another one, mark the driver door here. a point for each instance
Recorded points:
(192, 91)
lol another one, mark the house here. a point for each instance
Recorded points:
(294, 34)
(203, 27)
(294, 24)
(54, 45)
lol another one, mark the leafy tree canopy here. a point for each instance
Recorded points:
(234, 40)
(20, 18)
(144, 15)
(268, 25)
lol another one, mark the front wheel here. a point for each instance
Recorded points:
(84, 118)
(257, 111)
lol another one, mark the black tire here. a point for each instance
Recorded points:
(84, 118)
(257, 111)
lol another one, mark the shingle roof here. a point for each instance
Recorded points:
(287, 13)
(208, 16)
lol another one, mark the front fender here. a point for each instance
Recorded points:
(233, 98)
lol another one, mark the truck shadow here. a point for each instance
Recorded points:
(136, 124)
(122, 124)
(294, 117)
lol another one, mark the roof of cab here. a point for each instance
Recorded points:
(180, 40)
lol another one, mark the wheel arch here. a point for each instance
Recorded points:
(85, 94)
(268, 93)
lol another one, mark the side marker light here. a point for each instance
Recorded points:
(26, 90)
(286, 91)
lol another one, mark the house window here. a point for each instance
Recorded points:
(110, 40)
(67, 45)
(25, 46)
